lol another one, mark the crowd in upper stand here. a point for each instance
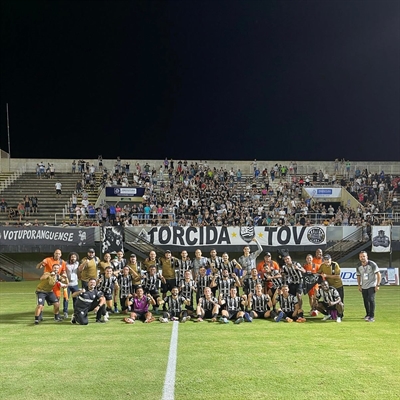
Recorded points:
(194, 194)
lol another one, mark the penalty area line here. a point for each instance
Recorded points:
(169, 382)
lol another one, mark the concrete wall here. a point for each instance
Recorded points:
(304, 167)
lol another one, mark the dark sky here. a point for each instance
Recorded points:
(288, 80)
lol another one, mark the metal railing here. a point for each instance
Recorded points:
(10, 267)
(318, 218)
(139, 219)
(12, 178)
(353, 242)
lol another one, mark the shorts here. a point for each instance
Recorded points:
(168, 285)
(58, 191)
(207, 314)
(140, 316)
(295, 288)
(260, 314)
(108, 296)
(48, 297)
(232, 314)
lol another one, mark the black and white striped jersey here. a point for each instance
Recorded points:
(214, 263)
(207, 305)
(106, 285)
(174, 305)
(287, 304)
(187, 288)
(292, 275)
(260, 303)
(151, 283)
(118, 265)
(230, 266)
(326, 296)
(250, 284)
(276, 282)
(183, 265)
(202, 282)
(224, 286)
(233, 303)
(125, 285)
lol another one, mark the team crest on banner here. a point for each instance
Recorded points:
(247, 233)
(381, 242)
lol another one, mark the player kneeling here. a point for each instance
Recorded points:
(86, 301)
(328, 302)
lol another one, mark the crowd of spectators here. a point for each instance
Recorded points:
(195, 194)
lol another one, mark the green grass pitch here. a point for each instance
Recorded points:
(259, 360)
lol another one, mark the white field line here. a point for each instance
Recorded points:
(169, 383)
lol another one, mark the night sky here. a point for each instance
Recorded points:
(272, 80)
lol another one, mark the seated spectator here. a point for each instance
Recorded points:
(3, 206)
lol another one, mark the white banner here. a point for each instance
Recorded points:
(212, 235)
(381, 242)
(389, 276)
(323, 192)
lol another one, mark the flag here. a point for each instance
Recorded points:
(381, 239)
(309, 281)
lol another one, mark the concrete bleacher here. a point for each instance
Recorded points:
(54, 209)
(304, 167)
(28, 184)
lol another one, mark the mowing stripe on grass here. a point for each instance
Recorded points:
(169, 383)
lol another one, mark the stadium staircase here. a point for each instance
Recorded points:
(138, 244)
(349, 246)
(10, 270)
(44, 189)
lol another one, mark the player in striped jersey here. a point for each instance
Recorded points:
(228, 265)
(207, 306)
(203, 280)
(187, 287)
(289, 308)
(151, 285)
(106, 283)
(172, 306)
(224, 283)
(249, 281)
(327, 299)
(293, 272)
(118, 264)
(125, 283)
(273, 280)
(233, 307)
(259, 303)
(214, 261)
(184, 264)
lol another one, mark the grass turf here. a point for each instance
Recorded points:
(261, 360)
